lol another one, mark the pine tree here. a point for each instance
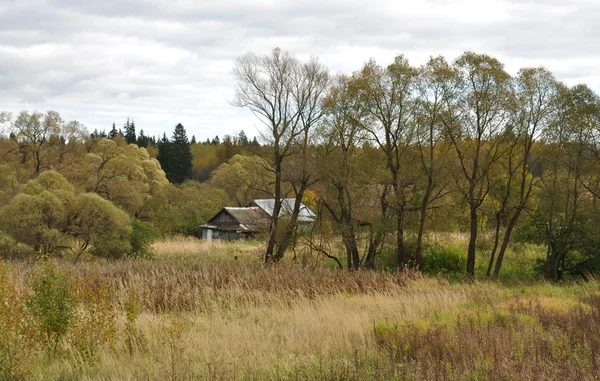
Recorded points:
(164, 155)
(242, 139)
(143, 140)
(181, 156)
(130, 135)
(193, 139)
(255, 142)
(216, 141)
(113, 132)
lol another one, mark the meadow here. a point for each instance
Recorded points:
(212, 311)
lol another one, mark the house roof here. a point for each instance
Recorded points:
(287, 206)
(249, 218)
(257, 216)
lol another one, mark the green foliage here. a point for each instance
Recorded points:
(11, 249)
(175, 156)
(101, 226)
(438, 259)
(39, 216)
(130, 135)
(181, 210)
(142, 235)
(49, 217)
(52, 304)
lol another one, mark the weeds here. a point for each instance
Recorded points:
(202, 316)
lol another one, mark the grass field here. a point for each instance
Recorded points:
(212, 311)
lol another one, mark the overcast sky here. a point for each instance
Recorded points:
(165, 62)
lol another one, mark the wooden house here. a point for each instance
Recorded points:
(251, 221)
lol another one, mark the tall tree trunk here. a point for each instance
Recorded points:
(287, 235)
(400, 238)
(272, 243)
(422, 220)
(349, 240)
(507, 234)
(553, 265)
(472, 242)
(495, 248)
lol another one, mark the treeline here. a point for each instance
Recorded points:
(391, 154)
(386, 156)
(64, 193)
(206, 156)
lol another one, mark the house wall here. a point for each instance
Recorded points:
(225, 235)
(223, 218)
(207, 234)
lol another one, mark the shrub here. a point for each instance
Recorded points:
(52, 304)
(101, 225)
(449, 259)
(142, 236)
(11, 249)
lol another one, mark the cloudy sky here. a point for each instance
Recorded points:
(165, 62)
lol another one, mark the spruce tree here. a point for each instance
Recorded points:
(243, 139)
(181, 156)
(130, 135)
(193, 139)
(164, 156)
(113, 132)
(143, 140)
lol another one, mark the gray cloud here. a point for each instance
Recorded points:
(164, 62)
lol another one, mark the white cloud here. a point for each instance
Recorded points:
(165, 62)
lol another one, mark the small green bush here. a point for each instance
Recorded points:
(142, 236)
(52, 304)
(437, 259)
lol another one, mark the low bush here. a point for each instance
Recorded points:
(143, 234)
(52, 304)
(11, 249)
(437, 259)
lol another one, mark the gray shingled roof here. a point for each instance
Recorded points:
(251, 219)
(287, 206)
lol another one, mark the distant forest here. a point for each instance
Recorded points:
(386, 156)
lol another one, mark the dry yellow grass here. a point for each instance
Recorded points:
(205, 316)
(181, 246)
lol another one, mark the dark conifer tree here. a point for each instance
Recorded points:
(193, 139)
(130, 135)
(242, 139)
(216, 141)
(143, 140)
(113, 133)
(164, 155)
(181, 156)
